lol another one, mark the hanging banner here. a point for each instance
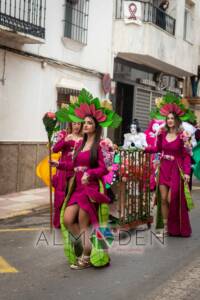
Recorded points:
(133, 12)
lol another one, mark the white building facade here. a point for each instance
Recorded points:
(155, 51)
(49, 50)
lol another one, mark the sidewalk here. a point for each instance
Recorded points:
(22, 203)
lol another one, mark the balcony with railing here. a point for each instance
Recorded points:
(23, 20)
(150, 14)
(150, 38)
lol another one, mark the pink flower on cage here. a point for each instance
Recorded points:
(108, 151)
(185, 136)
(107, 144)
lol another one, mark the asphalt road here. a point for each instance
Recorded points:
(140, 269)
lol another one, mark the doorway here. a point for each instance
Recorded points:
(124, 107)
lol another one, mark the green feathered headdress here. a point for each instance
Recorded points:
(171, 103)
(86, 105)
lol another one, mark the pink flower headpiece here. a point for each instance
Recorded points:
(90, 110)
(171, 107)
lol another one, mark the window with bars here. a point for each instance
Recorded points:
(64, 97)
(188, 25)
(76, 20)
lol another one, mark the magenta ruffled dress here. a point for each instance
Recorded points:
(88, 196)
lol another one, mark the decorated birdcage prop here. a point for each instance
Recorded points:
(132, 207)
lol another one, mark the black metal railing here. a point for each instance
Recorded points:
(151, 14)
(26, 16)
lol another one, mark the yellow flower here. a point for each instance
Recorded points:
(106, 103)
(64, 105)
(185, 102)
(73, 99)
(159, 102)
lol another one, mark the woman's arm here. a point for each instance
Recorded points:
(158, 147)
(100, 171)
(59, 146)
(69, 163)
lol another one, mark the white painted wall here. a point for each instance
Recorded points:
(96, 54)
(29, 92)
(152, 41)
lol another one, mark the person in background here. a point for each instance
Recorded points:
(65, 144)
(160, 14)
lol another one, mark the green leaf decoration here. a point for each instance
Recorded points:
(185, 117)
(171, 98)
(153, 113)
(109, 119)
(105, 124)
(188, 116)
(74, 118)
(62, 115)
(96, 102)
(192, 116)
(160, 117)
(84, 96)
(182, 106)
(156, 115)
(71, 110)
(116, 121)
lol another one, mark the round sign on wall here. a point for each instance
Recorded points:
(106, 82)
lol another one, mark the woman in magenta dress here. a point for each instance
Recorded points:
(85, 209)
(65, 144)
(174, 157)
(89, 168)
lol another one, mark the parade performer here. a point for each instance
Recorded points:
(135, 138)
(85, 209)
(175, 163)
(65, 144)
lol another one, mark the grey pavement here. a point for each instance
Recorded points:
(22, 203)
(139, 269)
